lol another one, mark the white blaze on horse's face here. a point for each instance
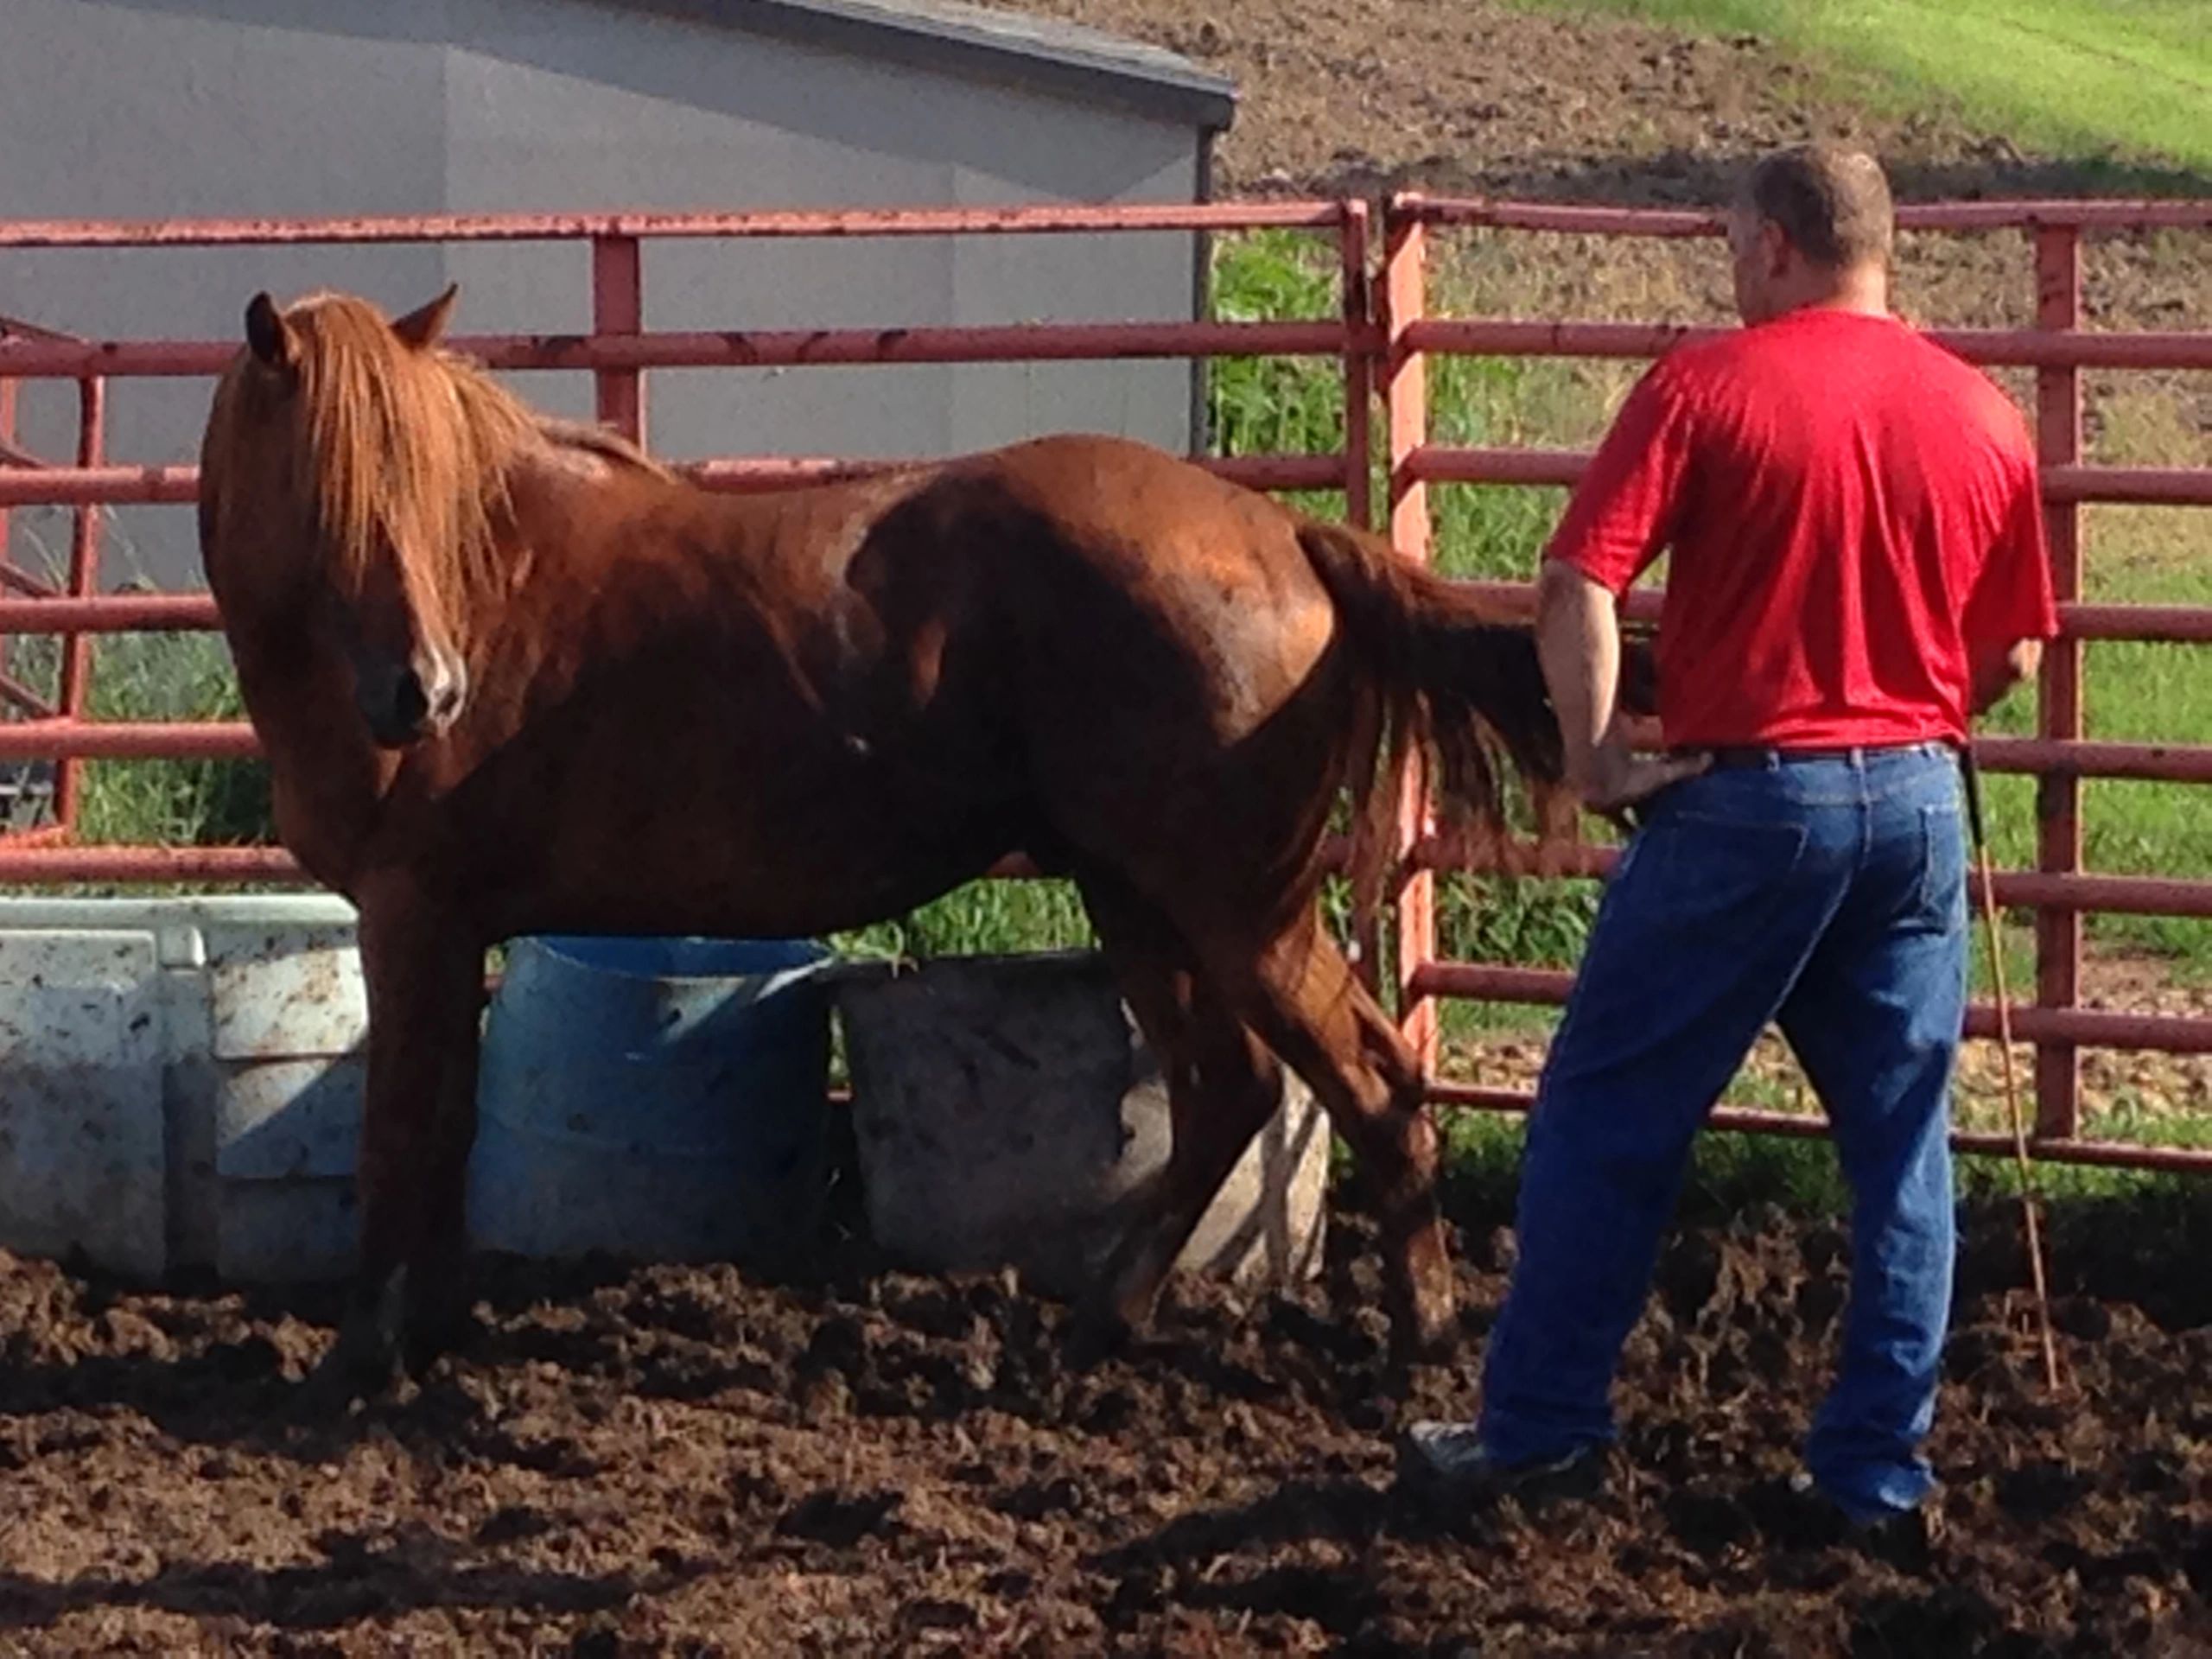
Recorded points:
(408, 681)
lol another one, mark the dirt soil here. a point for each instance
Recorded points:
(1483, 96)
(680, 1461)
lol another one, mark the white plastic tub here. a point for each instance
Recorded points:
(180, 1081)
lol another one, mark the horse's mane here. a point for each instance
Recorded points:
(413, 447)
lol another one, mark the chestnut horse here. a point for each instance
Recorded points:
(511, 675)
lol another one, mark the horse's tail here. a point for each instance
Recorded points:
(1441, 667)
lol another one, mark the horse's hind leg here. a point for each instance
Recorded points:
(1221, 1086)
(1300, 994)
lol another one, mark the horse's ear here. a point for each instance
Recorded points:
(421, 329)
(267, 332)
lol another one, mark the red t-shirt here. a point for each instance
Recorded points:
(1848, 505)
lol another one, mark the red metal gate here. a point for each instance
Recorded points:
(2058, 756)
(1382, 341)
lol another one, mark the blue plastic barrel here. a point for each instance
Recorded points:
(656, 1099)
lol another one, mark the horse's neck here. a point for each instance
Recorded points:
(582, 515)
(587, 496)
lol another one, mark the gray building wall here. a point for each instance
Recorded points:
(236, 108)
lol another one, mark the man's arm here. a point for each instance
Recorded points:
(1579, 642)
(2010, 611)
(1620, 516)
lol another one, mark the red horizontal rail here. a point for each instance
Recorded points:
(742, 348)
(2161, 623)
(2091, 1027)
(758, 474)
(26, 858)
(2174, 763)
(121, 614)
(2155, 624)
(50, 865)
(1086, 342)
(1038, 219)
(127, 740)
(75, 487)
(1042, 220)
(155, 486)
(1745, 1120)
(2116, 215)
(2133, 895)
(2014, 347)
(2176, 486)
(2113, 894)
(2142, 485)
(1441, 463)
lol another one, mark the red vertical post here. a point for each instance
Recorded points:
(618, 307)
(2058, 798)
(1406, 281)
(83, 583)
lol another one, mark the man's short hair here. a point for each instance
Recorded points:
(1832, 202)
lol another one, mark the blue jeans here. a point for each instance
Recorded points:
(1828, 895)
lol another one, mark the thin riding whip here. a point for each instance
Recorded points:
(1972, 777)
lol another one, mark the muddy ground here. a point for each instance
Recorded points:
(682, 1460)
(1492, 97)
(1496, 97)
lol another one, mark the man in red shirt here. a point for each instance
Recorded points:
(1857, 567)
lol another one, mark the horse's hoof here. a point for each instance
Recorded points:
(1097, 1333)
(360, 1366)
(431, 1335)
(364, 1363)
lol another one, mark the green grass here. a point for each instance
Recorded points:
(157, 677)
(1731, 1172)
(983, 918)
(2136, 693)
(2124, 82)
(203, 802)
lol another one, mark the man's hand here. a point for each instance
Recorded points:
(1996, 669)
(1612, 778)
(1578, 637)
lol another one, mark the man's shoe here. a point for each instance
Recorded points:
(1903, 1539)
(1449, 1460)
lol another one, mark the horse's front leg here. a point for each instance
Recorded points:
(424, 965)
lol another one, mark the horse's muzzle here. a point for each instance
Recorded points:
(405, 702)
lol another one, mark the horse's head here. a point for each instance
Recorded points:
(352, 476)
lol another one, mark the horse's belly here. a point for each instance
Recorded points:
(814, 845)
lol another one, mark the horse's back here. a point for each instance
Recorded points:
(1170, 650)
(1131, 548)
